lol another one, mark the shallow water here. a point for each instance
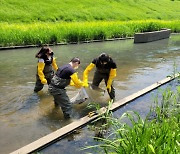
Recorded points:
(84, 137)
(25, 116)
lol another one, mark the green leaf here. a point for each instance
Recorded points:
(151, 148)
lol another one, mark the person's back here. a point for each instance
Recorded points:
(65, 71)
(62, 78)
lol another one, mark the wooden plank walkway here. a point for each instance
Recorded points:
(58, 134)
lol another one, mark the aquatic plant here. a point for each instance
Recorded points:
(157, 133)
(103, 122)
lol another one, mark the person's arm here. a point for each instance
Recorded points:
(86, 73)
(41, 66)
(112, 75)
(54, 64)
(75, 81)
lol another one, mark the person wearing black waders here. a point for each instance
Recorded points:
(46, 63)
(65, 75)
(105, 69)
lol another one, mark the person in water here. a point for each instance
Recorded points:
(105, 69)
(65, 75)
(45, 66)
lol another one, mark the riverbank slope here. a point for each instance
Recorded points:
(88, 10)
(53, 21)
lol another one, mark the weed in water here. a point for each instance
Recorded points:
(158, 134)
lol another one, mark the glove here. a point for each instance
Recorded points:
(72, 84)
(40, 72)
(112, 75)
(44, 81)
(54, 64)
(85, 74)
(77, 82)
(85, 84)
(108, 88)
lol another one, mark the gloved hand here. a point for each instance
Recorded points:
(85, 84)
(85, 74)
(77, 82)
(54, 64)
(40, 72)
(44, 81)
(112, 74)
(108, 88)
(73, 84)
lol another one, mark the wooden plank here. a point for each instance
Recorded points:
(44, 141)
(127, 99)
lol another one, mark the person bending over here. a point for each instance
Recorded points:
(63, 77)
(105, 69)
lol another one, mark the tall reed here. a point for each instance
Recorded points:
(64, 32)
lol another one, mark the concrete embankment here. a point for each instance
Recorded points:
(151, 36)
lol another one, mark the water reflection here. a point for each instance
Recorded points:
(32, 116)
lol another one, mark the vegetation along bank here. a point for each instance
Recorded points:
(157, 133)
(54, 21)
(51, 33)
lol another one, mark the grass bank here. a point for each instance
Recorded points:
(54, 21)
(87, 10)
(64, 32)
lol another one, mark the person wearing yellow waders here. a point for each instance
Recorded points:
(46, 63)
(65, 75)
(105, 69)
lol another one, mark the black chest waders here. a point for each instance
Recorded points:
(98, 77)
(48, 73)
(57, 89)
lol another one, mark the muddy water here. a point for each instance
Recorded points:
(25, 116)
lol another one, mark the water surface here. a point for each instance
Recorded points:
(25, 116)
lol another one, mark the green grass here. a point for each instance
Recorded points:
(87, 10)
(158, 133)
(52, 33)
(40, 22)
